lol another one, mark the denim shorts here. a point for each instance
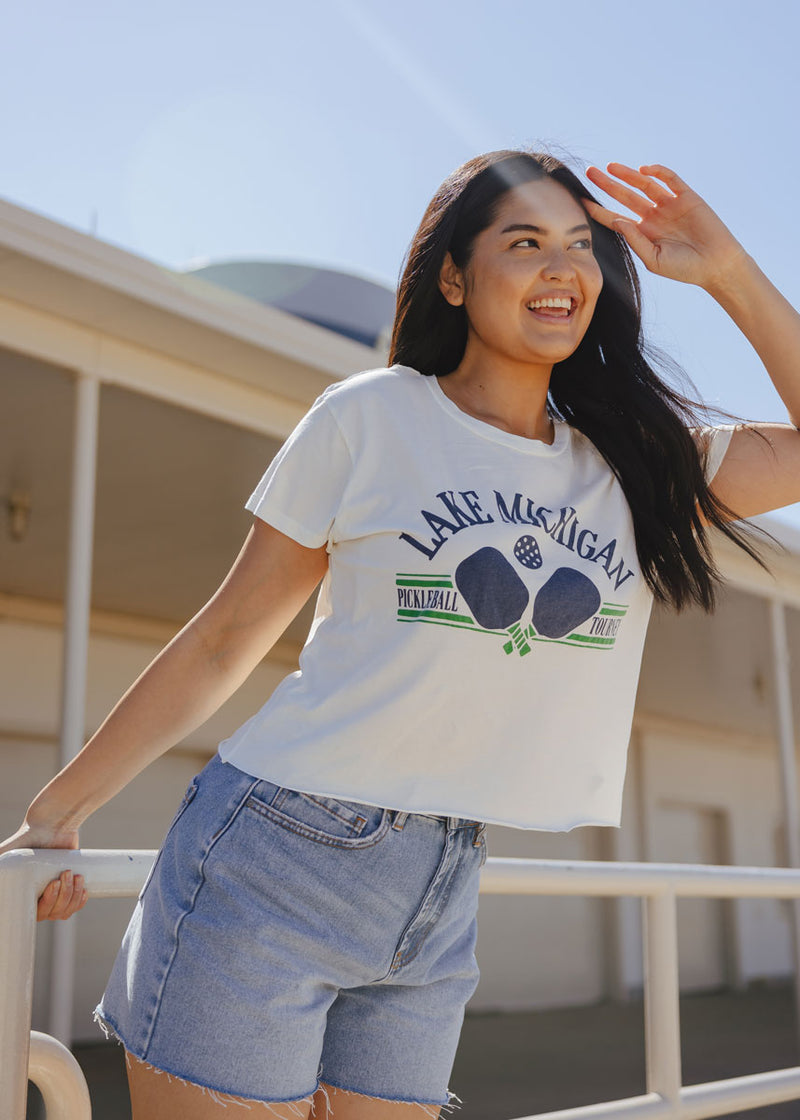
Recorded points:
(285, 939)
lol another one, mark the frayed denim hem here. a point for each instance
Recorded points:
(430, 1108)
(224, 1097)
(220, 1096)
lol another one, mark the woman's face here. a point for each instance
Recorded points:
(531, 285)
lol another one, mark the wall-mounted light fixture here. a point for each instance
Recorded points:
(18, 504)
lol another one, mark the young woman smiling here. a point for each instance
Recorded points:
(492, 517)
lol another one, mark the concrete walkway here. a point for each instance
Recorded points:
(515, 1065)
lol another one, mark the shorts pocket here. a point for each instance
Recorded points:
(327, 820)
(188, 797)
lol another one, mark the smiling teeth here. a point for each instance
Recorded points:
(554, 302)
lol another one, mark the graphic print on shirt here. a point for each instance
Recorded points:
(487, 594)
(494, 593)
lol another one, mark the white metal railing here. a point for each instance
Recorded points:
(24, 873)
(23, 876)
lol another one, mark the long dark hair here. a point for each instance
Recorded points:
(607, 388)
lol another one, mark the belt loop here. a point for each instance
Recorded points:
(399, 820)
(480, 828)
(452, 822)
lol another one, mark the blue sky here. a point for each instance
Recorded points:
(317, 131)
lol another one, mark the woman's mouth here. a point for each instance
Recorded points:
(551, 309)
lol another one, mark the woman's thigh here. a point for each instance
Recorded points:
(331, 1103)
(154, 1096)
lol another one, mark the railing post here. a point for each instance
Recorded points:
(77, 607)
(17, 945)
(661, 998)
(58, 1077)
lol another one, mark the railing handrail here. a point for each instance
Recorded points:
(110, 874)
(601, 877)
(115, 873)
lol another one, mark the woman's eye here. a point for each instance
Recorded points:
(583, 243)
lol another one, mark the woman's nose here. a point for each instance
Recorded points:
(558, 265)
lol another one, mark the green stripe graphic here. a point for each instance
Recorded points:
(420, 575)
(421, 583)
(405, 612)
(589, 639)
(585, 640)
(564, 642)
(457, 625)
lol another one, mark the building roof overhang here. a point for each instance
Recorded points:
(85, 281)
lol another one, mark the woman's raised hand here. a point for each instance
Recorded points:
(677, 235)
(64, 896)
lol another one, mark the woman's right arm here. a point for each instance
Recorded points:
(204, 664)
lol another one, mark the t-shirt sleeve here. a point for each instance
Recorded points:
(301, 491)
(716, 440)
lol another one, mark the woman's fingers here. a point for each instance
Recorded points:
(673, 181)
(603, 215)
(642, 181)
(642, 246)
(66, 896)
(62, 898)
(635, 202)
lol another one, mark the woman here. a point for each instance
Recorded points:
(491, 517)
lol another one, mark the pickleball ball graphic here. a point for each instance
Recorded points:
(526, 550)
(566, 600)
(494, 593)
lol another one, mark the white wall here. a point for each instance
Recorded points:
(685, 776)
(711, 669)
(539, 951)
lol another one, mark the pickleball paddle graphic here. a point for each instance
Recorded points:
(566, 600)
(494, 593)
(526, 550)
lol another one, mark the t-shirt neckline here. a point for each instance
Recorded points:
(497, 435)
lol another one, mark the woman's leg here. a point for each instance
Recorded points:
(339, 1104)
(156, 1095)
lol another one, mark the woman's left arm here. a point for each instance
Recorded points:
(680, 237)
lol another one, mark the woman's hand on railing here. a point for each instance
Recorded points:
(64, 896)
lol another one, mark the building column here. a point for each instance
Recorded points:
(788, 760)
(77, 606)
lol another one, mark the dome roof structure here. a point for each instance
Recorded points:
(356, 308)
